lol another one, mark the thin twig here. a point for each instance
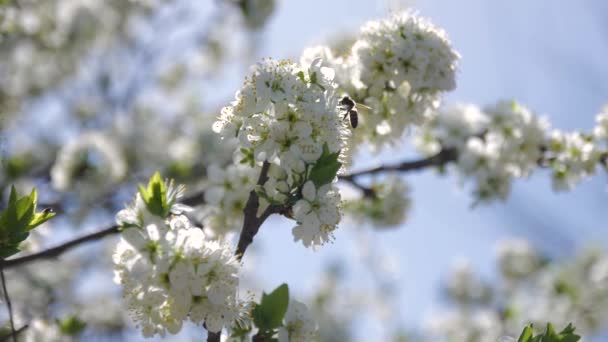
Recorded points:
(196, 198)
(17, 332)
(213, 336)
(440, 159)
(58, 250)
(7, 298)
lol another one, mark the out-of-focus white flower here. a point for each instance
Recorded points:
(493, 146)
(575, 157)
(601, 124)
(93, 157)
(517, 258)
(299, 325)
(387, 207)
(225, 197)
(464, 285)
(480, 325)
(39, 330)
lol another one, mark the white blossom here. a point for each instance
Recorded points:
(93, 157)
(388, 206)
(575, 157)
(401, 67)
(225, 197)
(493, 146)
(299, 325)
(286, 115)
(601, 125)
(171, 273)
(517, 258)
(39, 330)
(317, 214)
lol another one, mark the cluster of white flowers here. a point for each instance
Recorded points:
(529, 290)
(299, 325)
(401, 66)
(493, 146)
(388, 206)
(478, 326)
(170, 272)
(225, 197)
(342, 65)
(317, 214)
(507, 141)
(92, 157)
(286, 115)
(601, 129)
(517, 258)
(39, 330)
(463, 285)
(574, 156)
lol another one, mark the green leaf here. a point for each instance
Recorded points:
(18, 219)
(71, 325)
(526, 334)
(268, 315)
(40, 218)
(325, 169)
(566, 335)
(155, 196)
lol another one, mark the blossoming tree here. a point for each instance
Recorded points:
(208, 180)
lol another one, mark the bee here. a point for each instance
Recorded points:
(349, 106)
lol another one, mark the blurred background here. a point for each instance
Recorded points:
(153, 75)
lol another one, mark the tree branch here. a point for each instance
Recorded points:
(440, 159)
(58, 250)
(213, 337)
(7, 298)
(193, 199)
(17, 332)
(251, 222)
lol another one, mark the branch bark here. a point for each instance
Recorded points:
(251, 221)
(58, 250)
(7, 299)
(4, 338)
(213, 337)
(440, 159)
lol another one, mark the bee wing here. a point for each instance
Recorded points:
(363, 109)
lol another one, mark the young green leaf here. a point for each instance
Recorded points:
(18, 219)
(268, 315)
(71, 325)
(566, 335)
(325, 169)
(155, 196)
(526, 334)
